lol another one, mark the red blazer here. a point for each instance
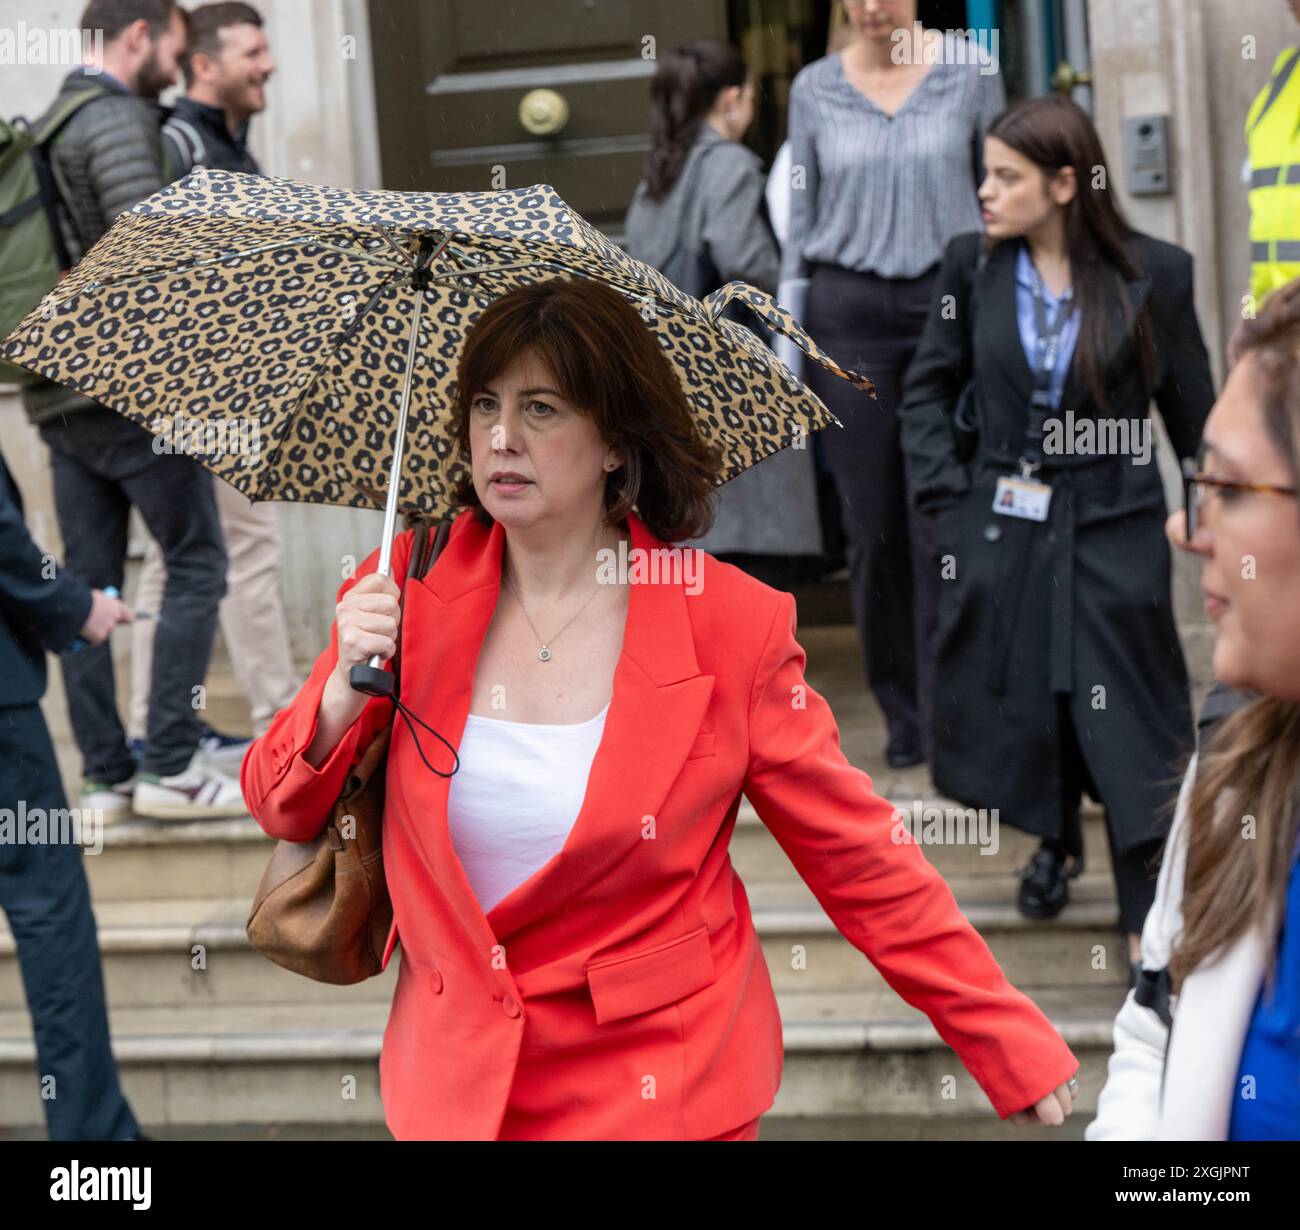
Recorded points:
(620, 993)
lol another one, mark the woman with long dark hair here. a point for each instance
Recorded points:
(1059, 667)
(884, 145)
(1207, 1047)
(699, 217)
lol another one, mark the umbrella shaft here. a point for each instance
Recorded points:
(399, 444)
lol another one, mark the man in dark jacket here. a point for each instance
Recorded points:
(43, 888)
(226, 67)
(107, 159)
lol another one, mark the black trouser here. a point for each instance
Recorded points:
(44, 894)
(103, 463)
(872, 325)
(1135, 878)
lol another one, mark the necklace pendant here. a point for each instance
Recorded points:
(544, 654)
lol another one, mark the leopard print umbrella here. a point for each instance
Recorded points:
(263, 326)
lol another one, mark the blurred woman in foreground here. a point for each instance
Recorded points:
(1208, 1045)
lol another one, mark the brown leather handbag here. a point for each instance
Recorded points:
(322, 909)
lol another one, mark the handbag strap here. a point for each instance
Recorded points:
(425, 549)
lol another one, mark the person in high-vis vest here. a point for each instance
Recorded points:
(1273, 144)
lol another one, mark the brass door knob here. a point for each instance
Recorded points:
(1067, 77)
(543, 112)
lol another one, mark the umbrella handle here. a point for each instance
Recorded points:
(370, 678)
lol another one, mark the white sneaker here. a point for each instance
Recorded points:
(199, 793)
(111, 803)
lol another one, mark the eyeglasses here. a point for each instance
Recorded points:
(1196, 486)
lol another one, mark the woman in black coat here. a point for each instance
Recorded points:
(1058, 666)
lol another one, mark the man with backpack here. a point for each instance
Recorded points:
(106, 158)
(226, 67)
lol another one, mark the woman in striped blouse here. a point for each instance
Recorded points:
(885, 140)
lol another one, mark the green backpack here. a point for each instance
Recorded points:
(33, 252)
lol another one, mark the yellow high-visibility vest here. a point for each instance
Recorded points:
(1273, 140)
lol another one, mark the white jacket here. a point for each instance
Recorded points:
(1210, 1018)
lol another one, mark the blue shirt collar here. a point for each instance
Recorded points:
(1026, 274)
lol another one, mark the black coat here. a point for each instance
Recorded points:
(1077, 606)
(37, 611)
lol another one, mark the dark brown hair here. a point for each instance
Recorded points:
(1250, 765)
(206, 23)
(685, 85)
(607, 362)
(113, 16)
(1053, 132)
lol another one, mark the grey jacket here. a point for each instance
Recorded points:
(725, 215)
(770, 509)
(107, 158)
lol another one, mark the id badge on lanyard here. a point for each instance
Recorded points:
(1022, 495)
(1018, 496)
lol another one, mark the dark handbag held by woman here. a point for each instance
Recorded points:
(322, 908)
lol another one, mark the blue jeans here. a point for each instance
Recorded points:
(104, 463)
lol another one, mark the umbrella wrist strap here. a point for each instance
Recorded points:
(409, 718)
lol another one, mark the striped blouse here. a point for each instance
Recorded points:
(884, 195)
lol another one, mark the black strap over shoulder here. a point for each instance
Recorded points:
(425, 549)
(42, 160)
(1152, 991)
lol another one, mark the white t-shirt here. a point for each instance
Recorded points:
(514, 799)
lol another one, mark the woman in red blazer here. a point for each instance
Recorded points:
(618, 992)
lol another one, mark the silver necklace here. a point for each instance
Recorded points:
(544, 653)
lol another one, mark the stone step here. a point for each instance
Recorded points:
(757, 855)
(226, 858)
(1082, 947)
(198, 858)
(192, 954)
(195, 953)
(245, 1065)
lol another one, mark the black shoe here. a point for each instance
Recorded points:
(1044, 888)
(903, 755)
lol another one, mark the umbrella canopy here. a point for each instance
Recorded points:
(282, 332)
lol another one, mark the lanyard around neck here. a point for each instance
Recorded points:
(1049, 336)
(1048, 341)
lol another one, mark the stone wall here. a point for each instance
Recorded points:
(1200, 62)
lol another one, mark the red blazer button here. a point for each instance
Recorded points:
(510, 1007)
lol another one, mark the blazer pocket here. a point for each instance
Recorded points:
(640, 981)
(703, 745)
